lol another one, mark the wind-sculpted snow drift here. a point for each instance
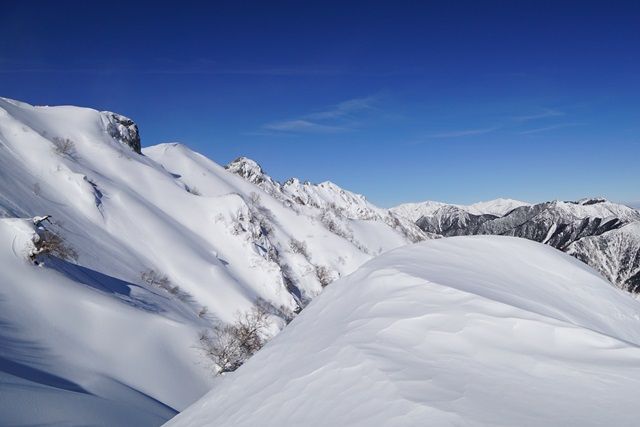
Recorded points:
(482, 330)
(160, 246)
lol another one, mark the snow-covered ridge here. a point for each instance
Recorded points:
(164, 244)
(325, 198)
(482, 330)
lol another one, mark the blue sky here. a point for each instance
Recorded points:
(455, 101)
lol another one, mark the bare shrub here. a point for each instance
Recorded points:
(49, 243)
(283, 312)
(328, 220)
(161, 281)
(324, 275)
(265, 226)
(230, 345)
(155, 279)
(220, 345)
(64, 146)
(237, 228)
(255, 197)
(298, 247)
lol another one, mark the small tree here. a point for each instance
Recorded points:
(230, 345)
(155, 279)
(49, 243)
(64, 146)
(161, 281)
(298, 247)
(255, 197)
(324, 275)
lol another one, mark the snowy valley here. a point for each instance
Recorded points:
(121, 262)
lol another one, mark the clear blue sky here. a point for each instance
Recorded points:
(456, 101)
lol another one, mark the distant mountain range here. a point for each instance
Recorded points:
(603, 234)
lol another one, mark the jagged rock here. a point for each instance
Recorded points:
(124, 130)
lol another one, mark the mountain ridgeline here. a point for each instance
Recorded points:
(600, 233)
(119, 263)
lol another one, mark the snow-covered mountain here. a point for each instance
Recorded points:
(101, 309)
(497, 207)
(325, 198)
(118, 263)
(465, 331)
(603, 234)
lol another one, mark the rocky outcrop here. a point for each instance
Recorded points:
(124, 130)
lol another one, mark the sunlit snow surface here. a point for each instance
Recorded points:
(481, 330)
(87, 342)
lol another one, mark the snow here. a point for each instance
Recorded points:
(602, 209)
(95, 324)
(497, 207)
(70, 353)
(616, 253)
(481, 330)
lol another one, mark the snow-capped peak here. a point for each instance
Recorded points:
(248, 169)
(496, 207)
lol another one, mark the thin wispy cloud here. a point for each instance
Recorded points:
(342, 117)
(546, 113)
(547, 128)
(302, 126)
(345, 109)
(463, 132)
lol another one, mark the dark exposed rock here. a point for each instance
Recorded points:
(124, 130)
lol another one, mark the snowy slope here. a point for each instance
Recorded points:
(78, 347)
(481, 330)
(222, 241)
(616, 253)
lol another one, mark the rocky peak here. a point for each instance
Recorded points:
(248, 169)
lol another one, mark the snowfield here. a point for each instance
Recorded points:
(481, 330)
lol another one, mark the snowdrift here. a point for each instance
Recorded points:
(481, 330)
